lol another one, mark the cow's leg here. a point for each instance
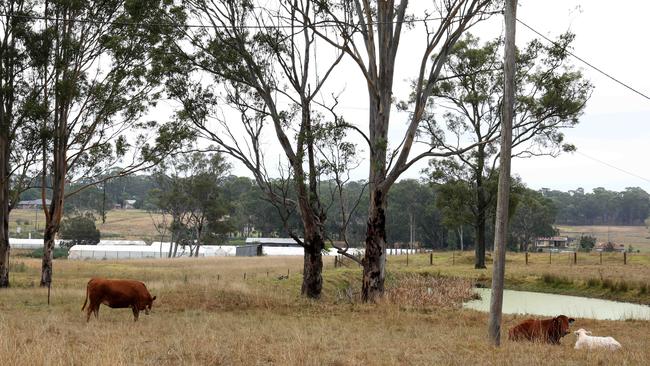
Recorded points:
(96, 309)
(136, 313)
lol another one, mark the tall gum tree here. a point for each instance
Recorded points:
(19, 148)
(262, 61)
(369, 32)
(99, 73)
(549, 97)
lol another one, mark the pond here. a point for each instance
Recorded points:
(535, 303)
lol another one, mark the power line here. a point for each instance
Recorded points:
(321, 24)
(585, 62)
(613, 166)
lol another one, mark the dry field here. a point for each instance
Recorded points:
(637, 236)
(120, 224)
(208, 314)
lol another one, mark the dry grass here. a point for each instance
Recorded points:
(207, 314)
(120, 224)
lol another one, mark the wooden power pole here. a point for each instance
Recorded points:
(501, 224)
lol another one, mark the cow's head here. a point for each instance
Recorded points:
(562, 323)
(146, 306)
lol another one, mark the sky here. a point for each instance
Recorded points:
(613, 136)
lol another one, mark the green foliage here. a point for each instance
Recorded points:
(57, 253)
(587, 242)
(79, 230)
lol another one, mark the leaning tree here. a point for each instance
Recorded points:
(263, 63)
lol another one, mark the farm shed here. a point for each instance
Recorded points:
(29, 243)
(273, 242)
(121, 242)
(156, 250)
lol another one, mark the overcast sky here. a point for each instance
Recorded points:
(613, 134)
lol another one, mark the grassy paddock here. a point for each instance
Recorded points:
(208, 314)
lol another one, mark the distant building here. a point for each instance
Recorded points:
(552, 243)
(37, 203)
(129, 204)
(609, 247)
(273, 242)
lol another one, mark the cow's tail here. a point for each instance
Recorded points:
(85, 301)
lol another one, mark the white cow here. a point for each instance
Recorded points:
(585, 340)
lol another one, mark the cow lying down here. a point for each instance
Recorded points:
(587, 341)
(541, 330)
(117, 294)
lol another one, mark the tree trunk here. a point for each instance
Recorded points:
(48, 248)
(501, 223)
(374, 262)
(479, 250)
(4, 210)
(312, 279)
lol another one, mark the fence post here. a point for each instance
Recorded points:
(624, 257)
(601, 257)
(336, 258)
(453, 258)
(575, 257)
(549, 256)
(407, 258)
(244, 275)
(218, 277)
(287, 273)
(526, 258)
(431, 258)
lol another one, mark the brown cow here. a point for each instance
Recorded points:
(543, 330)
(117, 294)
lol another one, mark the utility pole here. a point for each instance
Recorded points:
(501, 224)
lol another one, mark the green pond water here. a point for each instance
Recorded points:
(535, 303)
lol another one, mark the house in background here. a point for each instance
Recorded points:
(552, 243)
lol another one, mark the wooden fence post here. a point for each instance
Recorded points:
(431, 258)
(287, 273)
(575, 257)
(624, 257)
(526, 258)
(244, 275)
(407, 258)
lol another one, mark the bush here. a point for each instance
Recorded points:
(57, 253)
(587, 242)
(79, 230)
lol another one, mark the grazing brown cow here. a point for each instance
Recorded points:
(117, 294)
(542, 330)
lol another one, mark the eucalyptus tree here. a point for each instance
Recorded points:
(18, 110)
(369, 32)
(99, 71)
(262, 60)
(549, 97)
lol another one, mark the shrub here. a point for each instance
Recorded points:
(79, 230)
(56, 253)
